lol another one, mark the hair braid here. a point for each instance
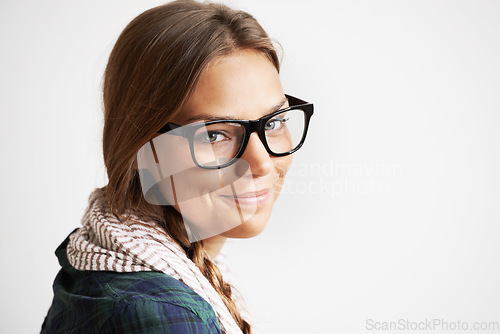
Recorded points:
(196, 253)
(210, 270)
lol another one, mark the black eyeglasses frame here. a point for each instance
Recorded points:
(250, 126)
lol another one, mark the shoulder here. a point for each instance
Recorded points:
(158, 298)
(158, 303)
(141, 302)
(176, 309)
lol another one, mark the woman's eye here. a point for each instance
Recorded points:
(211, 137)
(275, 124)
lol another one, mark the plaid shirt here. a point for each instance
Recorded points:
(112, 302)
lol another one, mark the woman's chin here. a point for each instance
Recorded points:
(250, 228)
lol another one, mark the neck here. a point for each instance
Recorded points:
(213, 245)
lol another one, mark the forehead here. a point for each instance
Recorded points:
(242, 85)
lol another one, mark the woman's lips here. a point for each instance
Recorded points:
(250, 198)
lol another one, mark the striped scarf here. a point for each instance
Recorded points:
(106, 243)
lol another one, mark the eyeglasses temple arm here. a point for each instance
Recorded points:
(294, 101)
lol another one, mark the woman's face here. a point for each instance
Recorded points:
(244, 86)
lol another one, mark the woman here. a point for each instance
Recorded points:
(198, 136)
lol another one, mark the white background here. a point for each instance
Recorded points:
(391, 211)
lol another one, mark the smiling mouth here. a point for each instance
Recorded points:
(249, 198)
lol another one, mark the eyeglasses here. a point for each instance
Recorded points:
(218, 144)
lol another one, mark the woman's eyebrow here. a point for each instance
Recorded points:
(211, 117)
(278, 106)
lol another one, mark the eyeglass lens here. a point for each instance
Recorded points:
(219, 143)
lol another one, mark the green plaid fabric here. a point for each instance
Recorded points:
(111, 302)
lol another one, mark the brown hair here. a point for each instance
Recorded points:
(151, 73)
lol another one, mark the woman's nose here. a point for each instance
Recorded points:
(257, 157)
